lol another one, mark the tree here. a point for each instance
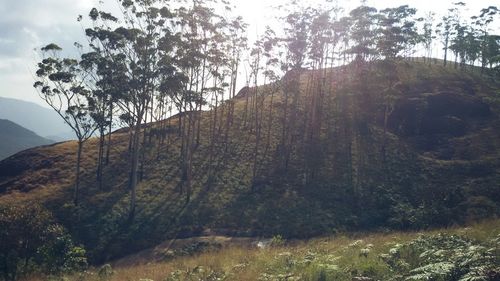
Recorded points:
(31, 241)
(397, 32)
(473, 46)
(427, 36)
(62, 86)
(320, 40)
(361, 33)
(236, 45)
(201, 62)
(458, 42)
(296, 41)
(483, 21)
(101, 74)
(135, 53)
(446, 32)
(256, 68)
(493, 50)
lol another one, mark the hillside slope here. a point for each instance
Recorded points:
(14, 138)
(437, 162)
(43, 121)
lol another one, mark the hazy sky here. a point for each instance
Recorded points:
(29, 24)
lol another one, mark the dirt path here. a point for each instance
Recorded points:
(188, 246)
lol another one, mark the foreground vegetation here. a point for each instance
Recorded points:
(466, 254)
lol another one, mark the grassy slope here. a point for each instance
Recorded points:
(297, 260)
(279, 205)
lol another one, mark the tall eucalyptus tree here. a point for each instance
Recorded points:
(62, 85)
(133, 47)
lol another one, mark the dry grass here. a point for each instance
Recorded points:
(247, 264)
(51, 171)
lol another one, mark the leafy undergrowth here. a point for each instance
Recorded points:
(465, 254)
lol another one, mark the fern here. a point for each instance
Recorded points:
(433, 271)
(445, 258)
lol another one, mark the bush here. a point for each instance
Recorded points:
(324, 272)
(278, 241)
(443, 258)
(30, 241)
(105, 272)
(196, 273)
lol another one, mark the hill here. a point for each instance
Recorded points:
(15, 138)
(425, 155)
(43, 121)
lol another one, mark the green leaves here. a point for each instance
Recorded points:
(31, 241)
(444, 257)
(51, 47)
(64, 77)
(397, 31)
(197, 273)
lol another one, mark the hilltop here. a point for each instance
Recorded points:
(436, 162)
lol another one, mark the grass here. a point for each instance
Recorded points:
(50, 171)
(340, 257)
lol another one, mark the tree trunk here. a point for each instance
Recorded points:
(109, 134)
(294, 108)
(179, 121)
(446, 50)
(384, 141)
(100, 157)
(245, 113)
(135, 166)
(198, 126)
(270, 122)
(188, 165)
(284, 129)
(77, 183)
(257, 135)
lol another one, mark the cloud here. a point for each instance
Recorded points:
(29, 24)
(43, 13)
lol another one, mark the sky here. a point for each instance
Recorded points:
(26, 25)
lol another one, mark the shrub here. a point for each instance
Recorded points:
(31, 242)
(443, 258)
(278, 241)
(105, 272)
(324, 272)
(196, 273)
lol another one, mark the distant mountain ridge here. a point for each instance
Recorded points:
(14, 138)
(42, 121)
